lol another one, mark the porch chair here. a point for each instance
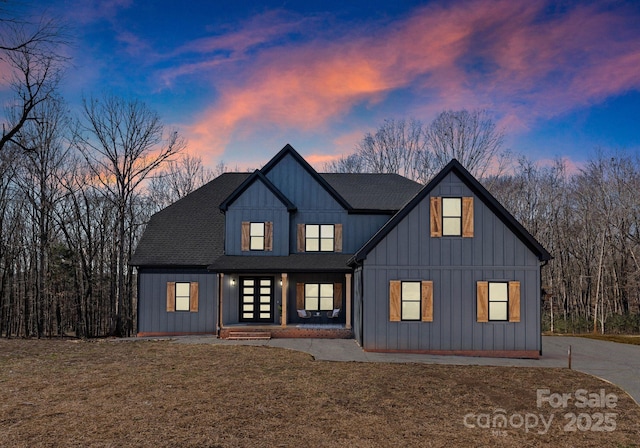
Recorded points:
(304, 314)
(333, 314)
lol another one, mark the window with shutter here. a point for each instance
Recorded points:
(411, 301)
(320, 238)
(451, 217)
(182, 296)
(498, 301)
(318, 296)
(257, 236)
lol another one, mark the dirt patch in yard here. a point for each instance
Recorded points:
(157, 393)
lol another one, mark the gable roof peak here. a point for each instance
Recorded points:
(257, 175)
(289, 150)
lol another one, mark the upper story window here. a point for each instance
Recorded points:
(451, 217)
(257, 236)
(319, 238)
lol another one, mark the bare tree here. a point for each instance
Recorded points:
(38, 176)
(179, 178)
(34, 52)
(123, 142)
(392, 148)
(418, 152)
(352, 163)
(471, 137)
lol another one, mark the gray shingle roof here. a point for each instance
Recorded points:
(190, 232)
(385, 192)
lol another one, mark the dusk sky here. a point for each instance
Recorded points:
(241, 79)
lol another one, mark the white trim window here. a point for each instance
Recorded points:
(319, 238)
(498, 301)
(411, 300)
(451, 216)
(318, 296)
(183, 296)
(256, 235)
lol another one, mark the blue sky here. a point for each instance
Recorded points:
(242, 79)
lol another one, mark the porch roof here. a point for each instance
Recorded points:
(330, 262)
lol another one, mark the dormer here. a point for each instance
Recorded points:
(257, 218)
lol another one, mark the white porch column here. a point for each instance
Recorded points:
(284, 300)
(348, 301)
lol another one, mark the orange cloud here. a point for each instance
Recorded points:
(502, 55)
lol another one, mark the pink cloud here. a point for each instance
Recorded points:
(501, 55)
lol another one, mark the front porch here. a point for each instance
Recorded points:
(254, 304)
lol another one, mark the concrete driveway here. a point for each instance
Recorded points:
(614, 362)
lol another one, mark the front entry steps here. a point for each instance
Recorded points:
(249, 335)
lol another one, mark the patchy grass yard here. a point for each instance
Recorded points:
(146, 393)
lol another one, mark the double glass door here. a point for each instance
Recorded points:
(256, 299)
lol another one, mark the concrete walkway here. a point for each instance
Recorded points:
(616, 363)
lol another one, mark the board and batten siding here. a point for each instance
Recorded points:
(300, 187)
(153, 316)
(257, 204)
(454, 264)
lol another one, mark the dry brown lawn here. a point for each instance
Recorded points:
(158, 393)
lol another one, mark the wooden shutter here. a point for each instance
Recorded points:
(246, 226)
(467, 217)
(300, 296)
(337, 238)
(514, 301)
(268, 236)
(337, 295)
(436, 217)
(171, 296)
(193, 297)
(483, 301)
(427, 301)
(301, 238)
(394, 301)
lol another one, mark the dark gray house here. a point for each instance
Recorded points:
(288, 252)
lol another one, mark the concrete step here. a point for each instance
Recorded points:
(249, 335)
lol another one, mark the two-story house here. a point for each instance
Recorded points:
(288, 252)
